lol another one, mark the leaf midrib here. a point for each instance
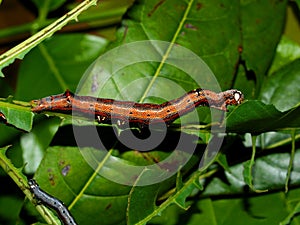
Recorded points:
(167, 53)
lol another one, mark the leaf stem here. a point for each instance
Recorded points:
(288, 175)
(283, 142)
(248, 167)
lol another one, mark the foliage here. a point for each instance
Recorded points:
(255, 177)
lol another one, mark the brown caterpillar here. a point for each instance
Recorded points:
(108, 110)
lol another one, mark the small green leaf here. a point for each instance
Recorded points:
(181, 195)
(181, 199)
(18, 116)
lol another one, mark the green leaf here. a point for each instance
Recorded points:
(262, 22)
(9, 133)
(179, 198)
(288, 219)
(201, 212)
(9, 208)
(269, 172)
(293, 207)
(65, 174)
(57, 64)
(256, 117)
(185, 23)
(198, 26)
(287, 51)
(222, 160)
(35, 143)
(281, 88)
(141, 202)
(250, 210)
(16, 115)
(169, 216)
(11, 60)
(184, 192)
(93, 194)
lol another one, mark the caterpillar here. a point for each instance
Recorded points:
(108, 110)
(58, 206)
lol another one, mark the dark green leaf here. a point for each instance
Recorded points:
(282, 88)
(9, 208)
(256, 117)
(262, 210)
(262, 22)
(8, 134)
